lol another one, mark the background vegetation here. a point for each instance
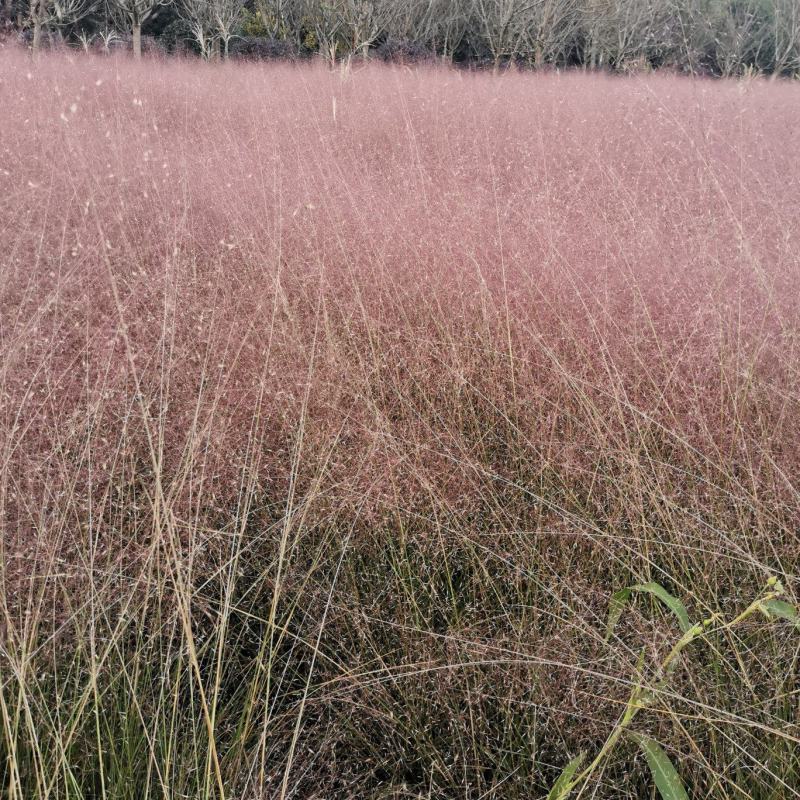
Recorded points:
(716, 37)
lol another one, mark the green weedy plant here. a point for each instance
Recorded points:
(665, 776)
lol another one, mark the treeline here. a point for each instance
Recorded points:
(718, 37)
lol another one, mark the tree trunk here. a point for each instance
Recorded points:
(7, 12)
(137, 40)
(264, 14)
(38, 20)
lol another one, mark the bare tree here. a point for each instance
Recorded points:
(439, 25)
(86, 39)
(326, 24)
(199, 16)
(226, 14)
(553, 26)
(735, 29)
(108, 36)
(281, 18)
(785, 31)
(621, 33)
(363, 21)
(56, 14)
(349, 26)
(504, 26)
(633, 28)
(212, 23)
(131, 15)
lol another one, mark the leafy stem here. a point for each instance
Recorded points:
(642, 696)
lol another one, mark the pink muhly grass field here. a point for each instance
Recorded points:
(334, 405)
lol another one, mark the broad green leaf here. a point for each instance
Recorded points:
(780, 609)
(665, 776)
(620, 598)
(563, 786)
(670, 601)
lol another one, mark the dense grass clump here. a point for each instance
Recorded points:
(334, 406)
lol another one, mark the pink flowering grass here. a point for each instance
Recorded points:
(335, 404)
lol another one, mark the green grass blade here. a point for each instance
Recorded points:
(563, 786)
(665, 776)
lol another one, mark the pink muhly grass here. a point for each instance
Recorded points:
(285, 344)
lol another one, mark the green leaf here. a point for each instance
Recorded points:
(620, 598)
(775, 609)
(670, 601)
(563, 786)
(665, 776)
